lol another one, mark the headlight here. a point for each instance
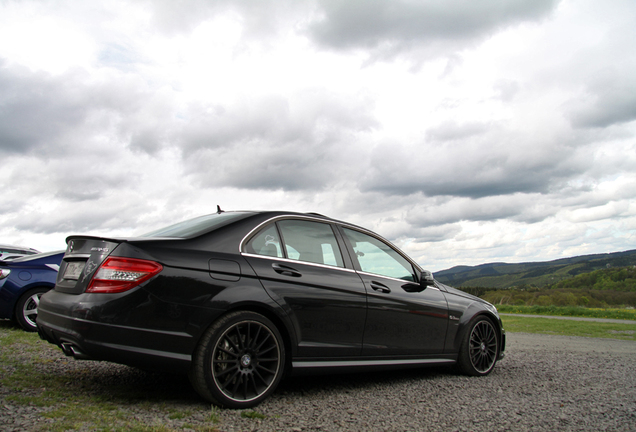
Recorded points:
(492, 309)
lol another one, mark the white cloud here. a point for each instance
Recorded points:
(465, 132)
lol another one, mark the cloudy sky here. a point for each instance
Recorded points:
(464, 131)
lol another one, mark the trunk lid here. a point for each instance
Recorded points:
(83, 257)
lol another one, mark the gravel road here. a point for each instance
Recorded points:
(545, 383)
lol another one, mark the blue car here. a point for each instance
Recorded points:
(22, 283)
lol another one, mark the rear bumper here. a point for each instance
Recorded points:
(132, 329)
(72, 335)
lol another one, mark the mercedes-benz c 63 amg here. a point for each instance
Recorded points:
(239, 299)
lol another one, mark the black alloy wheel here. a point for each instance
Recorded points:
(26, 308)
(240, 361)
(479, 350)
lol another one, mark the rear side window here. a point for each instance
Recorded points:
(309, 241)
(299, 240)
(266, 242)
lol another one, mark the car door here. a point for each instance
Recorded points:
(403, 317)
(301, 265)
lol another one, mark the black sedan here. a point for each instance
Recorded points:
(238, 299)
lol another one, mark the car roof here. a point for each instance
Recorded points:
(17, 249)
(36, 259)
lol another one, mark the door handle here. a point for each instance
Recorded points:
(377, 286)
(287, 271)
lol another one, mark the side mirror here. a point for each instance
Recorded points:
(427, 279)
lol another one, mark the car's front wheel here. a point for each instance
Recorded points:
(26, 308)
(239, 361)
(480, 347)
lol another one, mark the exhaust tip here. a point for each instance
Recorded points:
(72, 351)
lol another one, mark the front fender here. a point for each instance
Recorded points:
(464, 311)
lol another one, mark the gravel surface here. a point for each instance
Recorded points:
(545, 383)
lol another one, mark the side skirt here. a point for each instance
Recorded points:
(363, 363)
(301, 367)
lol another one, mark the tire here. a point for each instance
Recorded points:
(239, 361)
(480, 348)
(26, 309)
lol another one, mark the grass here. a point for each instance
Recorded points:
(575, 311)
(554, 326)
(253, 415)
(78, 399)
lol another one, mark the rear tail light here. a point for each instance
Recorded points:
(117, 275)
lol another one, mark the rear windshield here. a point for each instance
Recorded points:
(199, 225)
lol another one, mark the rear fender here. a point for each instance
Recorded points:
(260, 302)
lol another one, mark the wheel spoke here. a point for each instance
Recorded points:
(225, 370)
(240, 343)
(262, 351)
(255, 339)
(265, 339)
(230, 342)
(231, 353)
(258, 375)
(252, 381)
(232, 378)
(237, 383)
(266, 369)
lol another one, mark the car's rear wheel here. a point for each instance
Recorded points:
(239, 361)
(480, 347)
(26, 308)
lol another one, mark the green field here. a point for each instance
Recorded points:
(564, 327)
(624, 331)
(572, 311)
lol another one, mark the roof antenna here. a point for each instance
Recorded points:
(218, 209)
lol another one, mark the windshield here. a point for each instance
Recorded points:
(199, 225)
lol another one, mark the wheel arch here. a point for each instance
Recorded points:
(25, 290)
(467, 318)
(27, 322)
(285, 329)
(243, 391)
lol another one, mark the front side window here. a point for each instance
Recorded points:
(312, 242)
(379, 258)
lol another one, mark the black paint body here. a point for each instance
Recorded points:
(330, 317)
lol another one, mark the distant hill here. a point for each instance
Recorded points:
(538, 274)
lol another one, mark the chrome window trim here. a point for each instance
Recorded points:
(291, 261)
(393, 279)
(274, 219)
(330, 222)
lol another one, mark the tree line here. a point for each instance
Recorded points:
(613, 287)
